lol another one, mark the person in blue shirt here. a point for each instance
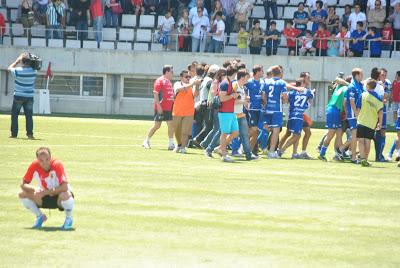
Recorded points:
(300, 18)
(318, 16)
(357, 36)
(374, 40)
(352, 107)
(24, 91)
(272, 39)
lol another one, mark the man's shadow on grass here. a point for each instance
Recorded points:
(51, 229)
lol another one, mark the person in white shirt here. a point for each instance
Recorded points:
(355, 17)
(166, 24)
(193, 10)
(201, 25)
(218, 34)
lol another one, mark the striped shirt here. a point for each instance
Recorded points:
(25, 78)
(52, 14)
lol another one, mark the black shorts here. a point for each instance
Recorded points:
(358, 54)
(165, 116)
(364, 132)
(294, 49)
(51, 202)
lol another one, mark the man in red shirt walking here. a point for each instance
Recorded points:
(291, 34)
(163, 103)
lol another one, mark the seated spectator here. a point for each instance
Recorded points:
(112, 10)
(321, 37)
(272, 39)
(372, 5)
(343, 38)
(355, 17)
(193, 10)
(332, 21)
(183, 28)
(318, 16)
(2, 27)
(138, 7)
(307, 44)
(270, 4)
(357, 46)
(27, 15)
(300, 18)
(374, 40)
(387, 36)
(376, 16)
(312, 5)
(333, 46)
(242, 38)
(40, 8)
(201, 26)
(219, 34)
(344, 20)
(151, 7)
(80, 17)
(167, 25)
(291, 35)
(55, 19)
(256, 36)
(242, 13)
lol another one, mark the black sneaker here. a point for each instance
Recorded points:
(208, 154)
(30, 137)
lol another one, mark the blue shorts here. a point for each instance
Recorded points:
(228, 123)
(295, 125)
(352, 123)
(384, 121)
(333, 120)
(398, 124)
(253, 117)
(274, 120)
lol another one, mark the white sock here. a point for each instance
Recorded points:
(171, 141)
(29, 204)
(147, 139)
(303, 152)
(68, 205)
(398, 152)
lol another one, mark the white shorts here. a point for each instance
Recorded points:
(395, 106)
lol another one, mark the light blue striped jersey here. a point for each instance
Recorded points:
(25, 78)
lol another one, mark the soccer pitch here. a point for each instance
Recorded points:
(155, 208)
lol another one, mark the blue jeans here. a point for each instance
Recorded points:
(27, 103)
(1, 39)
(54, 32)
(82, 25)
(111, 18)
(198, 45)
(244, 136)
(217, 46)
(98, 28)
(270, 5)
(212, 139)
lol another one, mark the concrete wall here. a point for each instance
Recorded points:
(114, 64)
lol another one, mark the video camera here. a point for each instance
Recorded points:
(33, 61)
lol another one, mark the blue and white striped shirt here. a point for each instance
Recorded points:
(25, 78)
(52, 14)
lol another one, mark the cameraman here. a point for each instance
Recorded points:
(25, 77)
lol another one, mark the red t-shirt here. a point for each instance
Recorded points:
(292, 32)
(227, 106)
(323, 43)
(387, 35)
(46, 180)
(137, 2)
(96, 9)
(2, 24)
(163, 87)
(396, 90)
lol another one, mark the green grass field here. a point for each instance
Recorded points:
(159, 209)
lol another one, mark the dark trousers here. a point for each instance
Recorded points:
(82, 27)
(271, 48)
(321, 52)
(27, 103)
(255, 50)
(270, 5)
(207, 123)
(396, 36)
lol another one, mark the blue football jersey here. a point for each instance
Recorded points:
(298, 102)
(354, 91)
(274, 88)
(254, 90)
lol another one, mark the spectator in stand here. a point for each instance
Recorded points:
(307, 44)
(344, 20)
(27, 14)
(271, 39)
(387, 36)
(138, 7)
(256, 36)
(218, 35)
(201, 26)
(270, 4)
(40, 8)
(80, 17)
(376, 16)
(395, 19)
(332, 21)
(355, 17)
(167, 25)
(343, 37)
(55, 20)
(291, 35)
(333, 46)
(357, 48)
(217, 7)
(2, 28)
(184, 38)
(374, 40)
(151, 7)
(96, 10)
(321, 37)
(229, 8)
(300, 18)
(194, 10)
(312, 4)
(372, 5)
(242, 38)
(112, 10)
(242, 13)
(318, 16)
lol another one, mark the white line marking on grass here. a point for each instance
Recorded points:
(80, 145)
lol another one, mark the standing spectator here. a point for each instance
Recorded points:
(194, 10)
(201, 26)
(312, 4)
(80, 17)
(344, 20)
(96, 10)
(376, 16)
(332, 21)
(291, 35)
(374, 41)
(112, 9)
(229, 8)
(270, 4)
(184, 32)
(27, 14)
(163, 103)
(2, 28)
(183, 109)
(355, 17)
(242, 13)
(167, 25)
(395, 19)
(387, 36)
(138, 7)
(333, 46)
(372, 5)
(357, 48)
(218, 35)
(321, 37)
(256, 36)
(318, 16)
(55, 19)
(343, 37)
(271, 39)
(307, 44)
(217, 7)
(242, 38)
(300, 18)
(40, 8)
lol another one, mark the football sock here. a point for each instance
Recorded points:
(29, 204)
(393, 148)
(323, 150)
(171, 141)
(68, 205)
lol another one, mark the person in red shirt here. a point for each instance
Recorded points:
(387, 36)
(53, 189)
(291, 34)
(396, 95)
(97, 12)
(321, 37)
(2, 28)
(163, 103)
